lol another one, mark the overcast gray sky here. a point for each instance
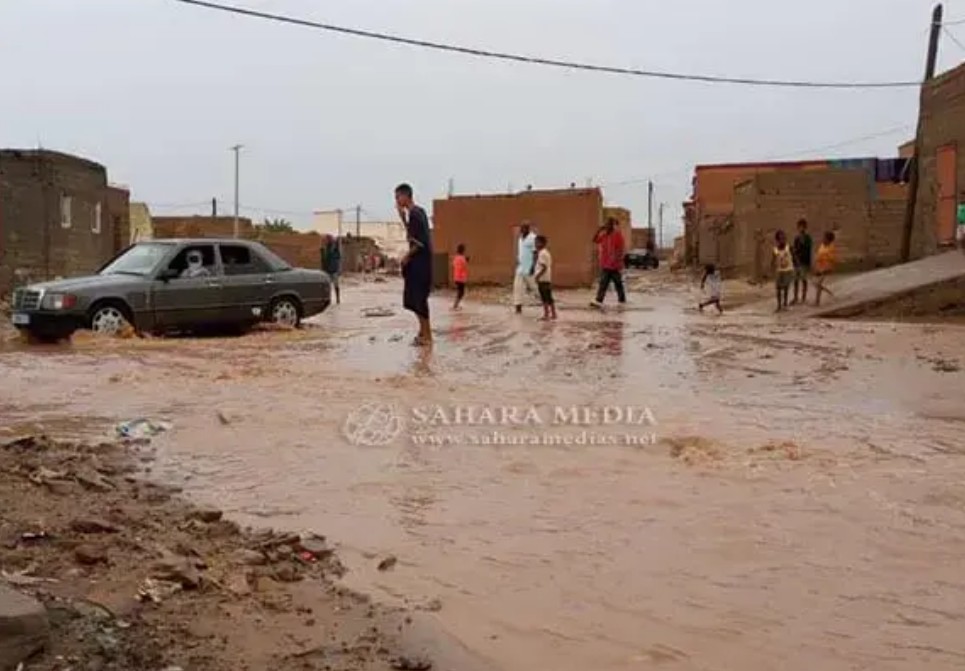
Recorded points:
(158, 91)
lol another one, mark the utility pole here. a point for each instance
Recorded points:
(237, 150)
(358, 221)
(214, 208)
(915, 176)
(660, 219)
(650, 205)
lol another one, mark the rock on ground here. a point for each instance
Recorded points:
(24, 628)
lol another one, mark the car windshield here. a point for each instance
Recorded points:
(139, 260)
(276, 263)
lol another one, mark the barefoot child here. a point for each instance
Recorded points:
(784, 265)
(824, 264)
(712, 281)
(460, 275)
(544, 278)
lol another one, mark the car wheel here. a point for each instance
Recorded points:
(107, 319)
(286, 312)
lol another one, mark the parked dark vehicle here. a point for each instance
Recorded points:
(175, 285)
(641, 258)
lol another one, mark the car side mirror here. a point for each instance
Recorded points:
(168, 274)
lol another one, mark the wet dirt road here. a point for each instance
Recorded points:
(803, 508)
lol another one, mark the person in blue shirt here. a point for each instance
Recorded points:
(417, 263)
(523, 282)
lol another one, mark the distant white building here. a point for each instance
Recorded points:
(388, 235)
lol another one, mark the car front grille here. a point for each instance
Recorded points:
(26, 299)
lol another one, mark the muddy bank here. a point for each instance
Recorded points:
(133, 577)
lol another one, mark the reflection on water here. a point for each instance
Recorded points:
(806, 504)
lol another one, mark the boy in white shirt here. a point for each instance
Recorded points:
(544, 278)
(713, 282)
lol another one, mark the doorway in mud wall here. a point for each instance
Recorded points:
(947, 210)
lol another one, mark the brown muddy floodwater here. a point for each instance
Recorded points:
(803, 508)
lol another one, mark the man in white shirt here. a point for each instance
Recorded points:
(523, 282)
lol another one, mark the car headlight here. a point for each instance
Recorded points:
(59, 301)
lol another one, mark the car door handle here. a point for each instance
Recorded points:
(269, 280)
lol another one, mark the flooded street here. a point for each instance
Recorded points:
(804, 500)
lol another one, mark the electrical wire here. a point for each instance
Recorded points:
(954, 39)
(550, 62)
(774, 157)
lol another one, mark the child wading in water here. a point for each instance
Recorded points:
(544, 278)
(712, 281)
(784, 265)
(824, 264)
(460, 275)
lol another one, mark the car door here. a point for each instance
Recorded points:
(183, 301)
(247, 282)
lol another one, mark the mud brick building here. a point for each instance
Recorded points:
(737, 208)
(199, 226)
(942, 162)
(119, 210)
(641, 238)
(866, 216)
(141, 225)
(487, 226)
(712, 207)
(55, 216)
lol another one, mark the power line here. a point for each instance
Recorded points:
(954, 39)
(774, 157)
(846, 143)
(550, 62)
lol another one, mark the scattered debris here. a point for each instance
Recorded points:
(945, 366)
(33, 536)
(223, 419)
(22, 579)
(95, 481)
(178, 570)
(378, 312)
(388, 563)
(141, 428)
(156, 591)
(89, 555)
(92, 525)
(407, 663)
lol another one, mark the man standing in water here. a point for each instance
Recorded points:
(417, 262)
(523, 282)
(332, 263)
